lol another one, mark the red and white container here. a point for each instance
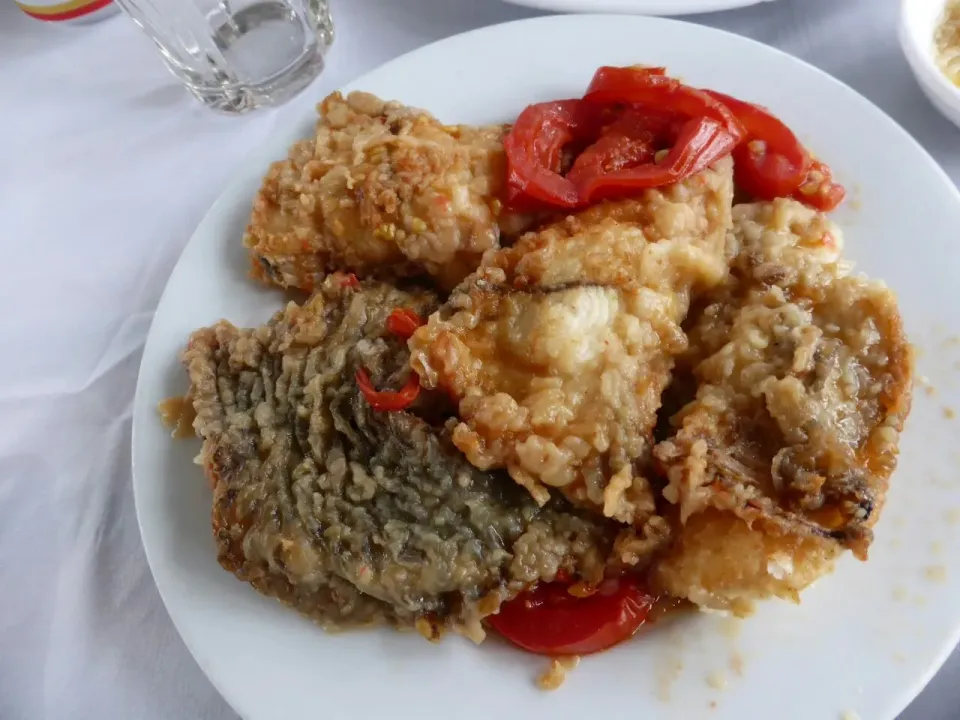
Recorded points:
(68, 11)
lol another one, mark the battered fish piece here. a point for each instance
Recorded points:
(354, 516)
(784, 457)
(383, 190)
(557, 349)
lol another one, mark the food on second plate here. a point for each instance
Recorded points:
(947, 41)
(487, 457)
(783, 458)
(354, 515)
(384, 190)
(558, 349)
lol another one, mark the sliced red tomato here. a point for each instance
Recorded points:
(763, 173)
(628, 117)
(388, 400)
(610, 153)
(818, 190)
(640, 86)
(701, 142)
(550, 621)
(403, 323)
(632, 138)
(533, 147)
(771, 162)
(758, 122)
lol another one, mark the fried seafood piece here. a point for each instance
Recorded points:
(558, 348)
(382, 189)
(783, 458)
(354, 516)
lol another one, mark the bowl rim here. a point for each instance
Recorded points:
(920, 57)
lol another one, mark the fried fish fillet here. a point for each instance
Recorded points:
(382, 190)
(783, 458)
(354, 516)
(557, 349)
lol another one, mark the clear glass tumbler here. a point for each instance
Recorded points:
(237, 55)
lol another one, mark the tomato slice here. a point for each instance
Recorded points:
(640, 86)
(771, 162)
(533, 148)
(388, 400)
(701, 142)
(550, 621)
(632, 138)
(403, 323)
(630, 117)
(818, 189)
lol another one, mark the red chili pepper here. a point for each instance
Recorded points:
(350, 281)
(388, 400)
(403, 323)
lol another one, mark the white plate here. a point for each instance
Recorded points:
(864, 640)
(638, 7)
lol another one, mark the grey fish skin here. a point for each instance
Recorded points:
(352, 515)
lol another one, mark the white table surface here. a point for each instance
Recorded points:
(106, 167)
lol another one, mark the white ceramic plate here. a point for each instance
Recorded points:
(863, 641)
(638, 7)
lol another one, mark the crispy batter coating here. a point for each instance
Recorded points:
(784, 456)
(351, 515)
(558, 349)
(382, 190)
(791, 375)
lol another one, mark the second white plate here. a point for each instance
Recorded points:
(637, 7)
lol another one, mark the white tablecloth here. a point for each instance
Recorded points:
(106, 167)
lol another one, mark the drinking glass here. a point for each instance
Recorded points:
(237, 55)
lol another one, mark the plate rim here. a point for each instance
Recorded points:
(617, 7)
(296, 114)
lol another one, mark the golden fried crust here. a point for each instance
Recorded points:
(804, 377)
(671, 239)
(722, 562)
(559, 348)
(382, 190)
(354, 515)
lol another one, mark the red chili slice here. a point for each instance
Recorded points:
(403, 323)
(550, 621)
(388, 400)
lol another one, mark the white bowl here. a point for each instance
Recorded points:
(918, 21)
